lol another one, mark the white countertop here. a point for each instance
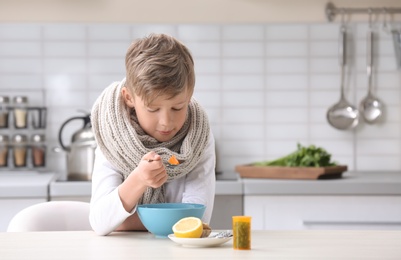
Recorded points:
(225, 185)
(34, 184)
(19, 184)
(311, 244)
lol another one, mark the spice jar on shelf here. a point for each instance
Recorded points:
(4, 102)
(20, 112)
(20, 149)
(4, 142)
(38, 150)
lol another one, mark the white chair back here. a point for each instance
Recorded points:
(52, 216)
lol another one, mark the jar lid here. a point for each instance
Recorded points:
(19, 139)
(38, 138)
(20, 100)
(4, 100)
(4, 139)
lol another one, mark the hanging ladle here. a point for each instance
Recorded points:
(371, 106)
(342, 115)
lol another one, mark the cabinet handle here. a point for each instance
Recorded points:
(350, 223)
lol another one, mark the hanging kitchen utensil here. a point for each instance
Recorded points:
(396, 35)
(342, 115)
(371, 107)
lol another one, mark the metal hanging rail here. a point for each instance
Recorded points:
(331, 11)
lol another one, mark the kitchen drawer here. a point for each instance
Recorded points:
(226, 206)
(323, 212)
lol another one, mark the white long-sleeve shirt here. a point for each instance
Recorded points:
(107, 211)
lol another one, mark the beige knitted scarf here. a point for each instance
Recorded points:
(123, 142)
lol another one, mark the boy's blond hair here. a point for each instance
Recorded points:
(159, 65)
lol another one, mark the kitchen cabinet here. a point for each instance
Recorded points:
(366, 200)
(226, 206)
(20, 190)
(70, 190)
(228, 202)
(323, 212)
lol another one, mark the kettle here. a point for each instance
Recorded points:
(81, 152)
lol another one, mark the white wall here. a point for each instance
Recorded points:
(267, 70)
(265, 86)
(176, 11)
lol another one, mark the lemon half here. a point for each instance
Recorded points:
(190, 227)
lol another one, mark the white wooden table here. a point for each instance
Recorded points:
(311, 244)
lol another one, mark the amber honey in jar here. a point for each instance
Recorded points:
(242, 232)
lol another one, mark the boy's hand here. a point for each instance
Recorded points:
(151, 170)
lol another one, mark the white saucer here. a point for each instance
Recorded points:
(200, 242)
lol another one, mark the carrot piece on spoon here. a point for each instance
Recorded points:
(173, 160)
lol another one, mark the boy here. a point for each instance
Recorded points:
(138, 124)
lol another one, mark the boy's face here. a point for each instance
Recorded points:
(162, 118)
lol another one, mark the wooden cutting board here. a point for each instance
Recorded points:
(278, 172)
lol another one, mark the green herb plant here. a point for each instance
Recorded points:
(304, 156)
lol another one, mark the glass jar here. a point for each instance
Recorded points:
(20, 149)
(4, 142)
(20, 112)
(4, 103)
(38, 150)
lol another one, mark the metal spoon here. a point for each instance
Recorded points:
(167, 164)
(222, 234)
(342, 115)
(371, 106)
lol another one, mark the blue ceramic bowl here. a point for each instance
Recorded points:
(160, 218)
